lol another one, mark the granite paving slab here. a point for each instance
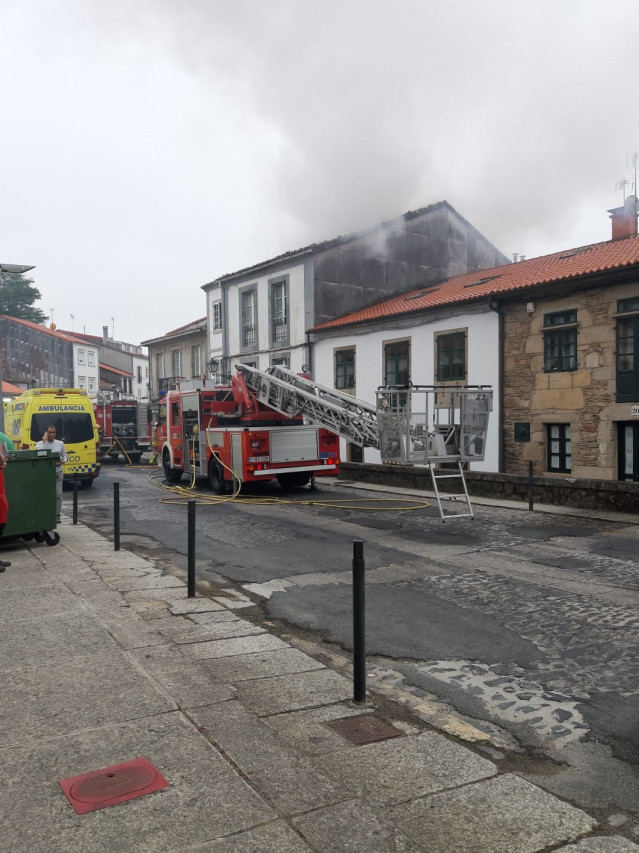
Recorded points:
(261, 665)
(293, 692)
(352, 826)
(206, 797)
(403, 768)
(45, 601)
(234, 646)
(499, 815)
(95, 689)
(188, 683)
(275, 837)
(52, 639)
(306, 730)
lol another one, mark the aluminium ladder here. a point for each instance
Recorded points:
(448, 496)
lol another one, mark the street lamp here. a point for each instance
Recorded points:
(213, 365)
(15, 268)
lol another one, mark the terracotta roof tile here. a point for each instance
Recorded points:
(560, 266)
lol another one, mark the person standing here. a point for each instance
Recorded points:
(50, 442)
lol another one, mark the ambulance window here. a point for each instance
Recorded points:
(39, 424)
(71, 427)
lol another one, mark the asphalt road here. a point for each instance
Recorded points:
(516, 629)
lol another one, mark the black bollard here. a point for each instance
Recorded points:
(191, 548)
(530, 486)
(359, 633)
(116, 516)
(75, 501)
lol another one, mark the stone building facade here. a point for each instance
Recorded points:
(571, 419)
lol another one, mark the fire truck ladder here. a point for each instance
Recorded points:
(291, 394)
(354, 420)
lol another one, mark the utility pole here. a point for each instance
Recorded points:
(15, 268)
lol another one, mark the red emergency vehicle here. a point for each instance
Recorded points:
(123, 429)
(224, 433)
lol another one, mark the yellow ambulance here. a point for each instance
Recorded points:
(71, 412)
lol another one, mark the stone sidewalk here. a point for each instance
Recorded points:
(104, 660)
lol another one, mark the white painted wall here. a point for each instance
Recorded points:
(483, 364)
(86, 368)
(296, 318)
(140, 389)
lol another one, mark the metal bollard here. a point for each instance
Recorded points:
(75, 501)
(359, 633)
(530, 486)
(116, 516)
(191, 548)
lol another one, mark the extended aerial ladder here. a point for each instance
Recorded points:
(430, 425)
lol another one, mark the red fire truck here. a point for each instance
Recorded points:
(123, 429)
(224, 433)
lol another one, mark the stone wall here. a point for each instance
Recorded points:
(583, 398)
(582, 493)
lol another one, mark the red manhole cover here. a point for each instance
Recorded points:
(110, 785)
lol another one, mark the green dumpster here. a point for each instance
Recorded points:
(29, 480)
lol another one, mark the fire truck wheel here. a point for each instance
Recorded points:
(173, 475)
(293, 480)
(216, 477)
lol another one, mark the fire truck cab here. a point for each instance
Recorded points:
(223, 433)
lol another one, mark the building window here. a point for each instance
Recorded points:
(91, 383)
(279, 312)
(176, 362)
(159, 365)
(451, 356)
(82, 382)
(628, 351)
(196, 362)
(345, 368)
(560, 341)
(559, 450)
(91, 358)
(397, 363)
(281, 361)
(217, 316)
(248, 315)
(139, 372)
(82, 356)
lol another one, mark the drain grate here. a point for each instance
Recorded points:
(110, 785)
(364, 729)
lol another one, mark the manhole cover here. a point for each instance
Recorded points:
(110, 785)
(364, 729)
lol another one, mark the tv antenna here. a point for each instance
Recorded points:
(113, 328)
(628, 184)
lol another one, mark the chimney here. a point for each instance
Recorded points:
(624, 219)
(105, 333)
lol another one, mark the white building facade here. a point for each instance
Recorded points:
(86, 367)
(449, 346)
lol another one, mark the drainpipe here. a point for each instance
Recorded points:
(309, 354)
(494, 306)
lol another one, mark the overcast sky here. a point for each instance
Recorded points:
(149, 146)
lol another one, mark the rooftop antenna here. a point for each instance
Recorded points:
(72, 318)
(51, 312)
(113, 327)
(630, 177)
